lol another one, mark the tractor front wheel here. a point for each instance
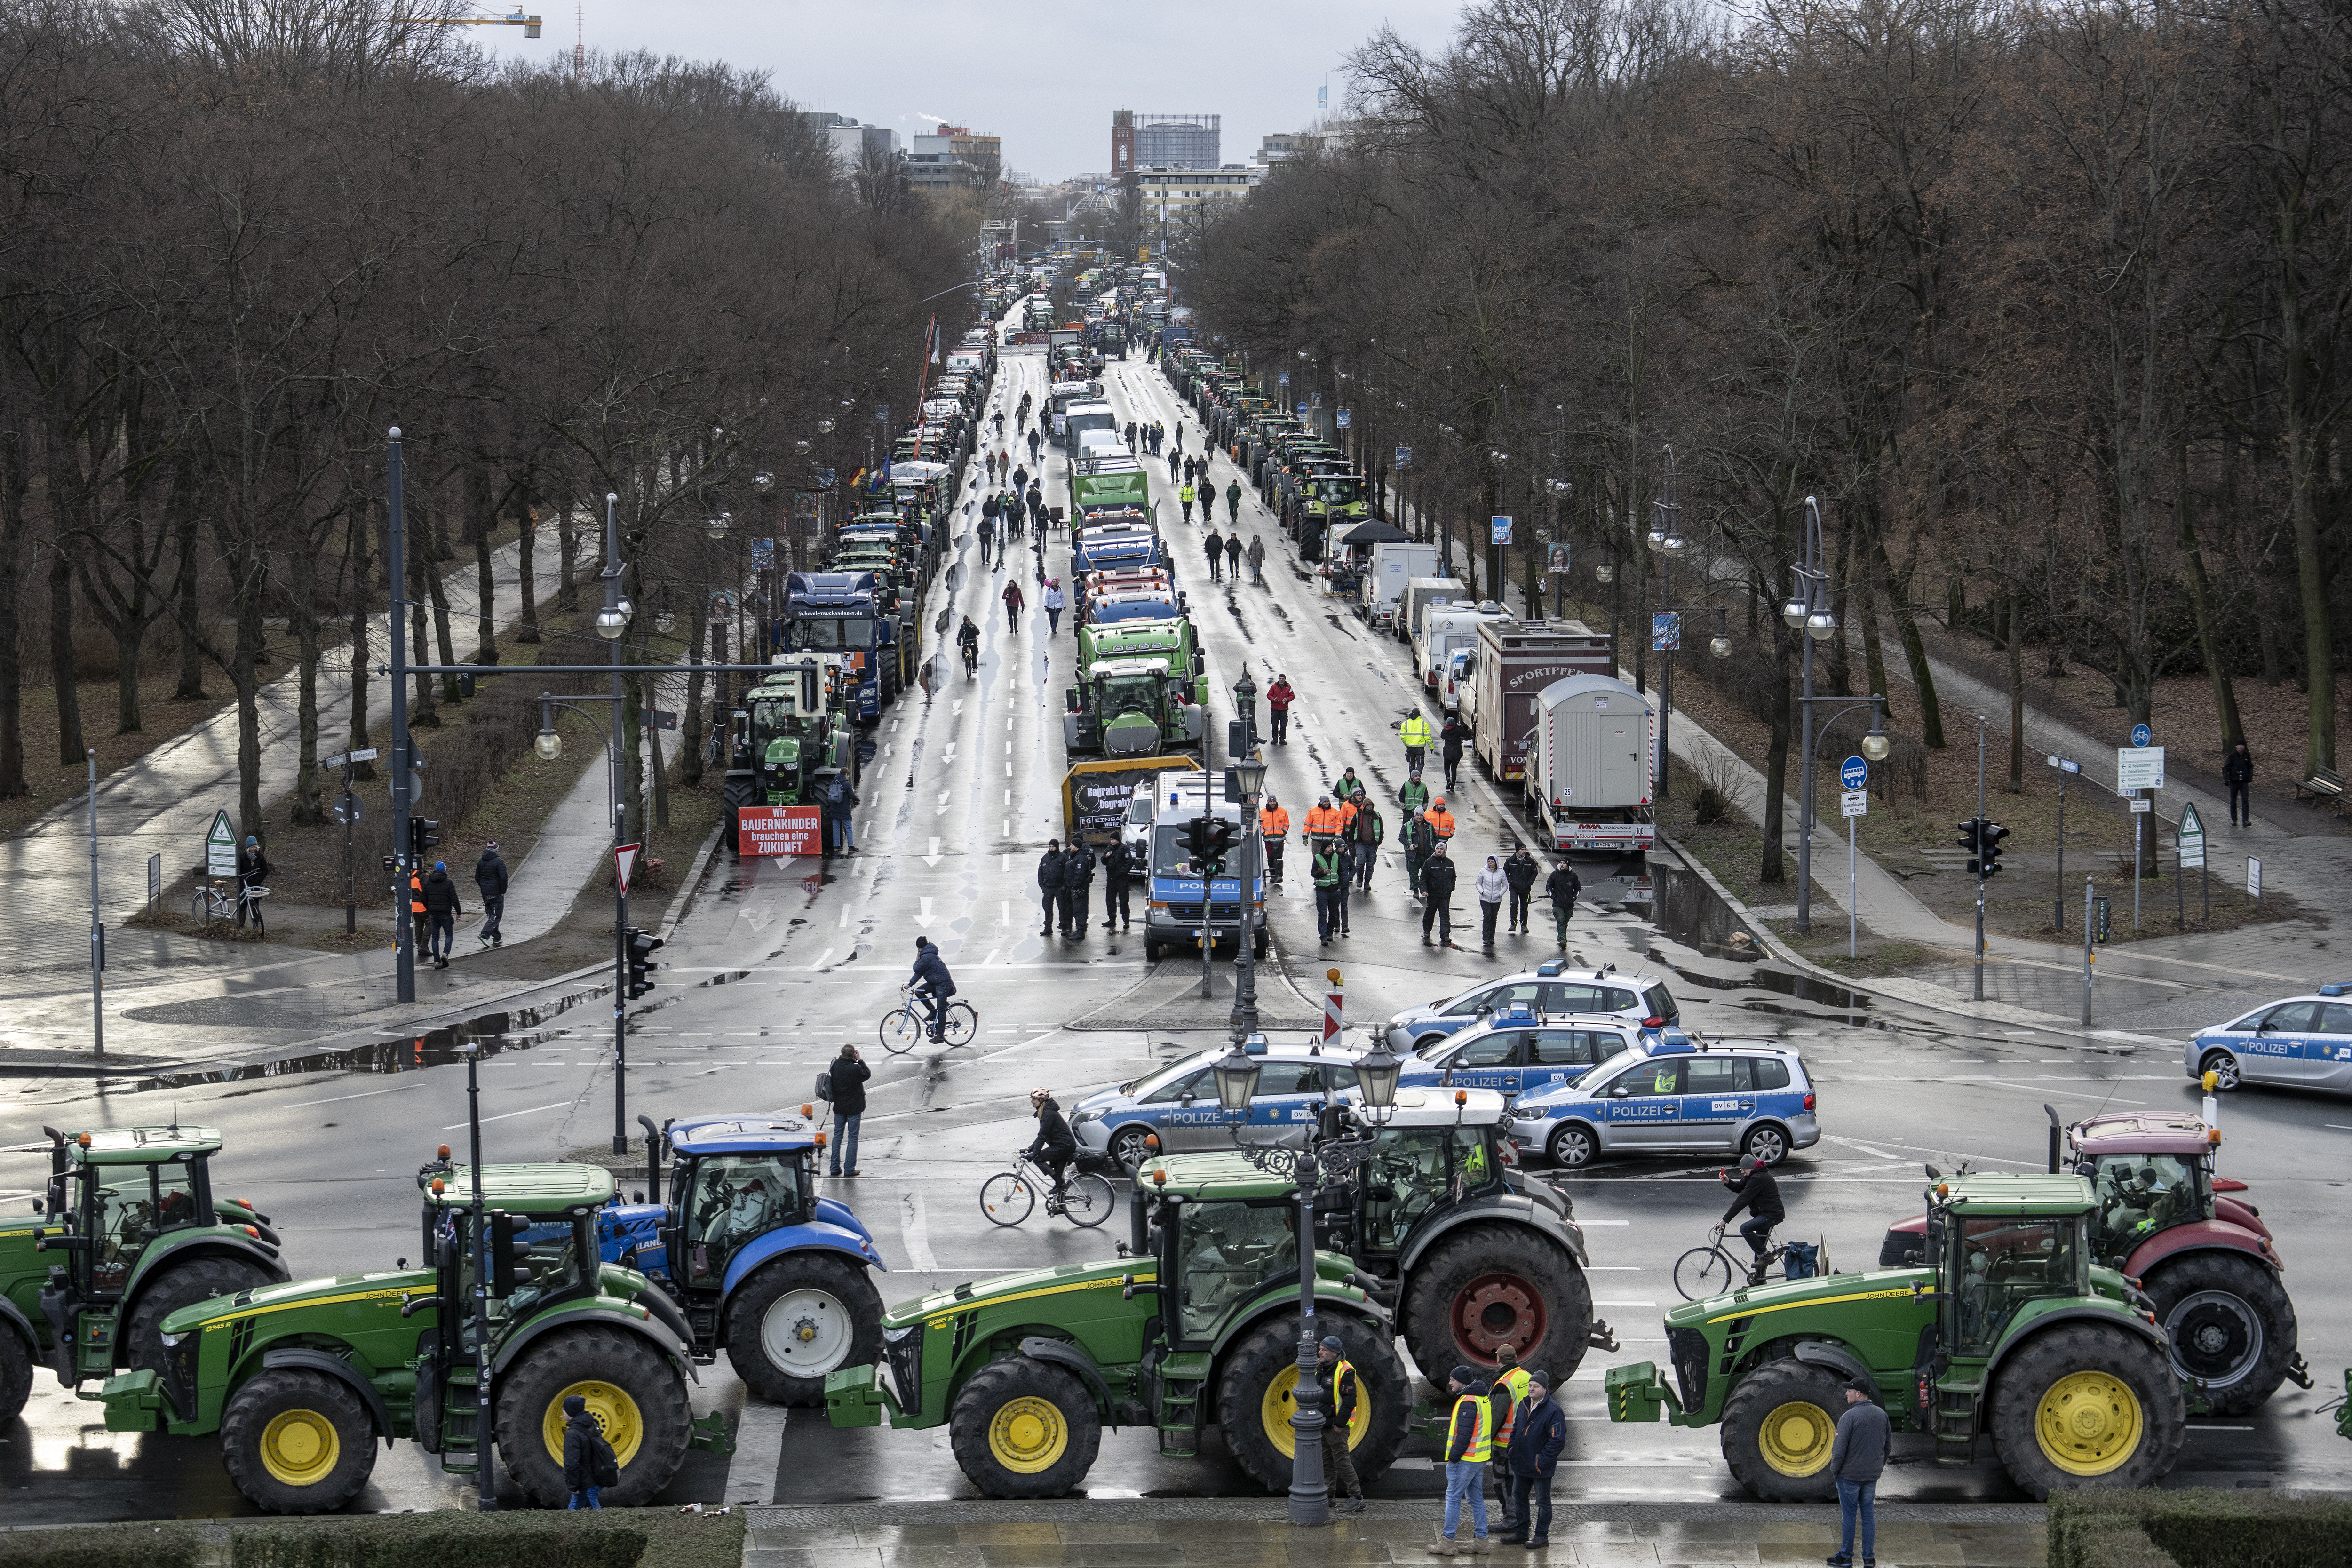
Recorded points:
(2231, 1324)
(16, 1375)
(2081, 1405)
(1257, 1394)
(198, 1279)
(296, 1441)
(636, 1393)
(797, 1319)
(1779, 1426)
(1025, 1429)
(1486, 1286)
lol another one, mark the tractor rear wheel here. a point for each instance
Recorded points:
(2082, 1405)
(1025, 1429)
(198, 1279)
(296, 1441)
(1486, 1286)
(16, 1375)
(2231, 1324)
(1257, 1392)
(634, 1392)
(800, 1317)
(1779, 1426)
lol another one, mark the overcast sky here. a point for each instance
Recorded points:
(1044, 77)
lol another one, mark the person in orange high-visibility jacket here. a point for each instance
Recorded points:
(1273, 822)
(1322, 821)
(416, 907)
(1440, 819)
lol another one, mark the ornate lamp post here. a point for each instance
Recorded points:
(1249, 776)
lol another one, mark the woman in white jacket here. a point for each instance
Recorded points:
(1493, 888)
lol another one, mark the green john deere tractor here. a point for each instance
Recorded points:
(129, 1232)
(2006, 1326)
(301, 1380)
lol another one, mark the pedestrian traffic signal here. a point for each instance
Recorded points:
(641, 946)
(1988, 838)
(423, 834)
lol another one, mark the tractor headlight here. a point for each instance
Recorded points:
(897, 1336)
(170, 1340)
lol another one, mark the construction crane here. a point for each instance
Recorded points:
(529, 25)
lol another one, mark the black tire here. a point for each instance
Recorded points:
(296, 1441)
(1128, 1149)
(814, 1300)
(1048, 1430)
(641, 1388)
(1255, 1396)
(1499, 1283)
(197, 1279)
(2224, 1068)
(1777, 1427)
(2116, 1358)
(2231, 1322)
(1087, 1200)
(1768, 1141)
(1574, 1146)
(1150, 951)
(16, 1375)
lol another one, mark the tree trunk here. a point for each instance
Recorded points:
(567, 545)
(633, 767)
(526, 541)
(2201, 604)
(436, 583)
(15, 480)
(1914, 648)
(306, 811)
(653, 745)
(362, 564)
(424, 708)
(2016, 692)
(187, 614)
(1773, 868)
(252, 581)
(689, 770)
(480, 523)
(70, 748)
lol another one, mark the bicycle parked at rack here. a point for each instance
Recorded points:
(1709, 1270)
(904, 1026)
(212, 904)
(1006, 1198)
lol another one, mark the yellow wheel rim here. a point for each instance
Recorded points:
(1027, 1435)
(1796, 1438)
(2088, 1423)
(299, 1448)
(1280, 1400)
(614, 1411)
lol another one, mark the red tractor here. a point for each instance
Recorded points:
(2179, 1233)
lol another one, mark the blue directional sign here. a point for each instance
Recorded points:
(1854, 773)
(1302, 411)
(2142, 735)
(1405, 457)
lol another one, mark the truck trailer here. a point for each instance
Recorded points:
(1590, 766)
(1513, 661)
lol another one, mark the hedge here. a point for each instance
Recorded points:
(614, 1538)
(2197, 1527)
(104, 1546)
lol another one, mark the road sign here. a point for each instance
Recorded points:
(1666, 632)
(2065, 766)
(1282, 378)
(624, 856)
(1501, 527)
(659, 719)
(1342, 417)
(1854, 773)
(1302, 411)
(763, 554)
(220, 847)
(2139, 767)
(155, 879)
(2253, 879)
(881, 413)
(347, 809)
(2142, 735)
(1405, 457)
(2141, 806)
(1854, 803)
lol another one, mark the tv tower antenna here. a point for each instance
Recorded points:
(579, 43)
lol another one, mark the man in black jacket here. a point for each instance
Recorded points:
(1078, 889)
(2238, 772)
(441, 912)
(252, 874)
(1118, 871)
(589, 1463)
(1759, 1194)
(1049, 884)
(1055, 1145)
(1437, 897)
(1561, 887)
(1452, 739)
(1539, 1433)
(847, 1078)
(1519, 870)
(490, 881)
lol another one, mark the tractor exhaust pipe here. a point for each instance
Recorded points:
(652, 1158)
(2056, 1133)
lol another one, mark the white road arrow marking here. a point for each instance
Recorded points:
(926, 909)
(932, 858)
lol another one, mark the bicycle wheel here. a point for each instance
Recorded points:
(1007, 1198)
(1087, 1201)
(1702, 1272)
(960, 1024)
(902, 1030)
(198, 912)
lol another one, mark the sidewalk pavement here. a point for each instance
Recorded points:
(1145, 1533)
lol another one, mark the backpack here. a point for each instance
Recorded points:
(607, 1464)
(825, 1087)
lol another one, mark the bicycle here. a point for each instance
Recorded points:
(1007, 1198)
(1709, 1270)
(904, 1026)
(212, 904)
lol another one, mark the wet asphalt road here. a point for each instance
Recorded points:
(778, 963)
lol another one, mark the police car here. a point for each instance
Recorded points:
(1180, 1102)
(1519, 1049)
(1551, 989)
(1674, 1094)
(2304, 1042)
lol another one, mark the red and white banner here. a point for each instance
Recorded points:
(779, 830)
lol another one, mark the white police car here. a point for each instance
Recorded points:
(1178, 1102)
(2302, 1042)
(1674, 1094)
(1552, 989)
(1520, 1049)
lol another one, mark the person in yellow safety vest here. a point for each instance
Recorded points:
(1469, 1445)
(1416, 734)
(1510, 1388)
(1341, 1397)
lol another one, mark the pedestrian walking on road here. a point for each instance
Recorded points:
(1469, 1444)
(1452, 739)
(1184, 499)
(1367, 832)
(1278, 698)
(1328, 872)
(1437, 895)
(1857, 1458)
(1413, 796)
(1342, 1390)
(1232, 554)
(1049, 884)
(1539, 1435)
(1561, 887)
(589, 1463)
(1234, 514)
(1054, 604)
(1216, 549)
(2238, 772)
(987, 530)
(1119, 869)
(1038, 514)
(846, 1079)
(1020, 478)
(441, 911)
(838, 800)
(1256, 555)
(490, 881)
(1492, 886)
(1175, 465)
(1440, 821)
(1273, 827)
(1416, 734)
(252, 881)
(1520, 871)
(1419, 841)
(1014, 604)
(1078, 889)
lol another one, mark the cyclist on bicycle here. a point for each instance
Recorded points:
(967, 640)
(932, 984)
(1759, 1194)
(1055, 1145)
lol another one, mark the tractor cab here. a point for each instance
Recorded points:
(792, 735)
(2151, 1173)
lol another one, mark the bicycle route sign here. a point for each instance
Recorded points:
(220, 847)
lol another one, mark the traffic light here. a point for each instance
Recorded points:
(1221, 837)
(641, 947)
(423, 834)
(1989, 839)
(1195, 839)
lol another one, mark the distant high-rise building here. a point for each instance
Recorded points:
(851, 141)
(1122, 142)
(1168, 141)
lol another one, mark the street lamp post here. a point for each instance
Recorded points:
(1808, 611)
(1666, 538)
(1330, 1151)
(1249, 776)
(404, 926)
(549, 743)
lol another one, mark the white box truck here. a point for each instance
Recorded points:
(1386, 573)
(1420, 593)
(1443, 629)
(1590, 766)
